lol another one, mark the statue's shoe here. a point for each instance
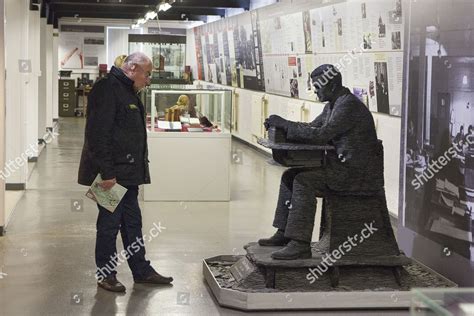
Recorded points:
(294, 250)
(278, 239)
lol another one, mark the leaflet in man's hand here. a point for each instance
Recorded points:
(107, 199)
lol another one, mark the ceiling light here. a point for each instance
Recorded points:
(151, 15)
(164, 7)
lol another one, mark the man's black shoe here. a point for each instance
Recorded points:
(111, 284)
(155, 278)
(278, 239)
(294, 250)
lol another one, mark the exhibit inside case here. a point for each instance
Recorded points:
(188, 108)
(442, 302)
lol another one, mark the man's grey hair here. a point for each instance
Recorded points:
(137, 58)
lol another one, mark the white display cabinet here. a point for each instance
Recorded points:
(185, 165)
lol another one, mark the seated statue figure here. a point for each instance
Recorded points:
(346, 124)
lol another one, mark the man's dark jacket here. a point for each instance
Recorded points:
(357, 163)
(115, 143)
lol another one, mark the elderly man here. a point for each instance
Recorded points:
(345, 123)
(115, 146)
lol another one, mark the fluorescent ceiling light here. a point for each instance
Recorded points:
(151, 15)
(164, 7)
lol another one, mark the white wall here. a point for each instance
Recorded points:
(117, 42)
(42, 81)
(55, 74)
(16, 43)
(49, 75)
(24, 90)
(116, 36)
(32, 113)
(2, 115)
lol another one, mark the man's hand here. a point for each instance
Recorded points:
(276, 121)
(108, 184)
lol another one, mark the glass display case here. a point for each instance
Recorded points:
(196, 108)
(442, 301)
(200, 148)
(167, 52)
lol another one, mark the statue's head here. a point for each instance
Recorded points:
(326, 80)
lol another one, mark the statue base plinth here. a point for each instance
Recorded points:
(359, 287)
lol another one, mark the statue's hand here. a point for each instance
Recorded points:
(276, 121)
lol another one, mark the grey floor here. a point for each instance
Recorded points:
(47, 256)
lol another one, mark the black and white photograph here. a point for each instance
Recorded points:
(395, 16)
(339, 27)
(300, 67)
(245, 49)
(382, 28)
(294, 92)
(381, 87)
(439, 146)
(367, 41)
(398, 8)
(307, 32)
(441, 193)
(396, 40)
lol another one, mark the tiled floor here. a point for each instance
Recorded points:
(47, 256)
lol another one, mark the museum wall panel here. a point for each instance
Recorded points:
(437, 179)
(299, 52)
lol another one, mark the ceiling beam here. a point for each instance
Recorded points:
(222, 4)
(115, 9)
(141, 10)
(129, 16)
(136, 3)
(219, 4)
(197, 11)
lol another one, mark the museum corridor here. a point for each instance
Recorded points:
(47, 255)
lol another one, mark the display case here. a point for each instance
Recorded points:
(204, 103)
(189, 143)
(167, 52)
(442, 301)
